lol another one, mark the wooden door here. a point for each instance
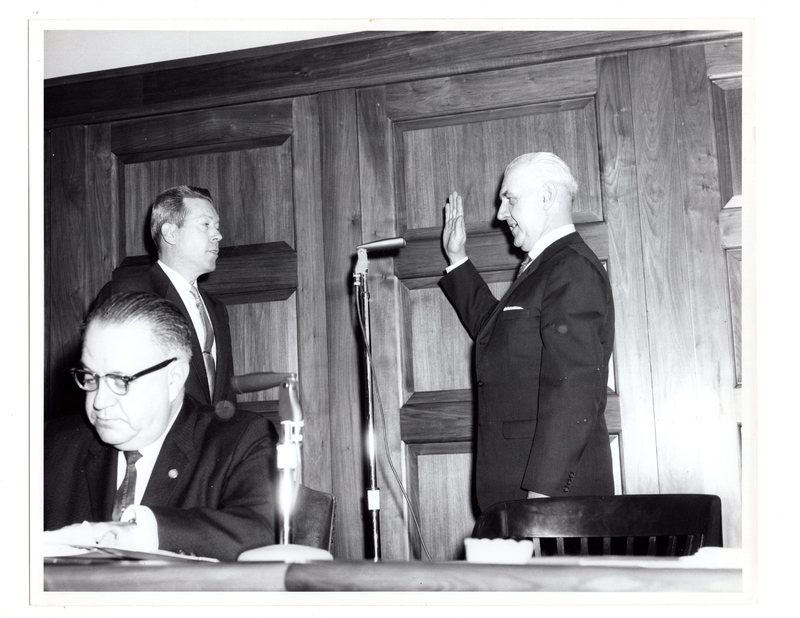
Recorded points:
(612, 119)
(261, 163)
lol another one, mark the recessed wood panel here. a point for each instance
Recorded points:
(441, 350)
(469, 156)
(445, 509)
(252, 190)
(264, 338)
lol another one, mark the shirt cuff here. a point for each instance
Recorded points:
(146, 536)
(455, 265)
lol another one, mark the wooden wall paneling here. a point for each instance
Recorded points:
(378, 221)
(707, 269)
(734, 262)
(264, 338)
(307, 67)
(444, 483)
(727, 115)
(80, 240)
(469, 152)
(626, 273)
(312, 328)
(342, 233)
(680, 446)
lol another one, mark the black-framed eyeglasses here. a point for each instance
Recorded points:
(117, 382)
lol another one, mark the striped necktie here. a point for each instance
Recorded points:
(127, 491)
(208, 341)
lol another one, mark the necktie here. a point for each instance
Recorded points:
(127, 491)
(208, 340)
(525, 263)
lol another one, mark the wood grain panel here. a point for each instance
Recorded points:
(727, 118)
(341, 232)
(311, 302)
(713, 398)
(422, 263)
(734, 261)
(358, 60)
(388, 335)
(252, 191)
(724, 58)
(445, 507)
(432, 417)
(63, 244)
(203, 130)
(730, 224)
(441, 350)
(680, 458)
(470, 154)
(491, 89)
(264, 338)
(244, 274)
(626, 273)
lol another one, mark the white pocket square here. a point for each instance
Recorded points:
(512, 308)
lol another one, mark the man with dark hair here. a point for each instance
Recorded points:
(184, 225)
(151, 469)
(542, 351)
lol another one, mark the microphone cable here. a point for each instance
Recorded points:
(377, 392)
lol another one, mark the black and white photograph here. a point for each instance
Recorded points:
(331, 314)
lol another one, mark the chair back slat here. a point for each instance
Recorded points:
(651, 546)
(560, 545)
(537, 547)
(606, 545)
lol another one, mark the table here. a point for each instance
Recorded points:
(552, 575)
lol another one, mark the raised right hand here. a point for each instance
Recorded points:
(454, 234)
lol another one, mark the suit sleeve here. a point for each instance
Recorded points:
(243, 516)
(470, 296)
(571, 387)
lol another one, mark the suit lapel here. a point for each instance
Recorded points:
(165, 289)
(101, 476)
(525, 276)
(171, 467)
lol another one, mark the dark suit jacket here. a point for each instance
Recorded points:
(212, 490)
(155, 280)
(541, 374)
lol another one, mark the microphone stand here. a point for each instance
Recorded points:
(373, 493)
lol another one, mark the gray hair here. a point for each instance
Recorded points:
(549, 167)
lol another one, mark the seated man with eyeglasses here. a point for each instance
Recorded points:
(151, 469)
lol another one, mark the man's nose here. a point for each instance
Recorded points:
(103, 396)
(216, 235)
(502, 212)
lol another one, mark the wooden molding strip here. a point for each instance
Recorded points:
(447, 416)
(310, 67)
(245, 273)
(421, 263)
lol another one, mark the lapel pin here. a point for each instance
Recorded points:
(173, 474)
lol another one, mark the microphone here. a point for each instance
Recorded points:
(385, 244)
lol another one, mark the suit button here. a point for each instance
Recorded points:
(480, 383)
(566, 490)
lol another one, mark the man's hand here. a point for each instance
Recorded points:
(122, 534)
(454, 234)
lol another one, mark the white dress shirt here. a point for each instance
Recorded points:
(183, 286)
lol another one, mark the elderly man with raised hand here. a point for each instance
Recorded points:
(542, 351)
(148, 468)
(184, 226)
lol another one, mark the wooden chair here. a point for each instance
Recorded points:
(312, 518)
(646, 524)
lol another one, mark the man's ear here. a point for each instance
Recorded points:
(548, 193)
(168, 231)
(178, 372)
